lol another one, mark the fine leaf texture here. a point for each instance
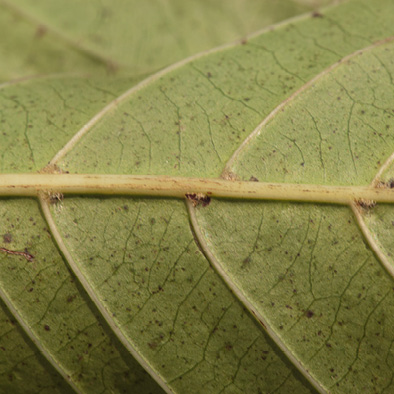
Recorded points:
(306, 269)
(131, 36)
(28, 48)
(234, 297)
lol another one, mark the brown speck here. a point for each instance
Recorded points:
(262, 324)
(71, 298)
(253, 179)
(317, 14)
(246, 261)
(152, 345)
(41, 31)
(7, 238)
(112, 67)
(309, 314)
(47, 328)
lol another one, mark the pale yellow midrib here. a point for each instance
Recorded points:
(166, 186)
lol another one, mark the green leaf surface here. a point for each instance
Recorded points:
(124, 35)
(148, 294)
(26, 48)
(22, 362)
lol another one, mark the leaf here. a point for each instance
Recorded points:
(120, 284)
(306, 270)
(124, 36)
(27, 49)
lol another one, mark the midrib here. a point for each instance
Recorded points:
(167, 186)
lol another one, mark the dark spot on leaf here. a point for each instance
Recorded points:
(47, 328)
(152, 345)
(317, 14)
(41, 31)
(309, 314)
(7, 238)
(262, 324)
(71, 298)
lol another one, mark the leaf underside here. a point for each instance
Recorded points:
(121, 285)
(126, 36)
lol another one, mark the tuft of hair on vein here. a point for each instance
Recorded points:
(389, 184)
(198, 199)
(52, 198)
(365, 205)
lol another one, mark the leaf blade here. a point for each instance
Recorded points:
(195, 167)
